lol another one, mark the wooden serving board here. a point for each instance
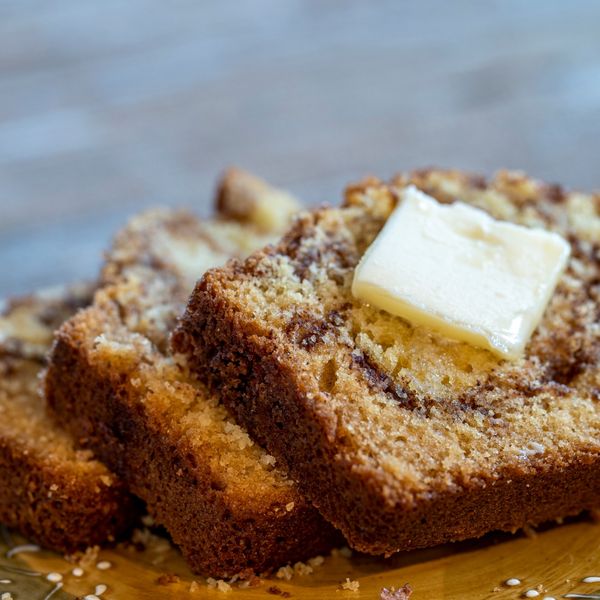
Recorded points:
(557, 559)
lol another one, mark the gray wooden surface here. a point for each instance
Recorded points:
(108, 107)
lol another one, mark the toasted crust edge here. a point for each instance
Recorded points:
(235, 356)
(179, 492)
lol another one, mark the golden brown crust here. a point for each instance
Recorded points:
(400, 439)
(181, 490)
(113, 381)
(53, 494)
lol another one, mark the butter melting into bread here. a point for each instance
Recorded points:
(401, 437)
(113, 379)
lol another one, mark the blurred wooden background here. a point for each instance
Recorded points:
(107, 107)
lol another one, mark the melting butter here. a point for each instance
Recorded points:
(456, 269)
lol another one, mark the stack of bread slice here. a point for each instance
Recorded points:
(116, 386)
(228, 377)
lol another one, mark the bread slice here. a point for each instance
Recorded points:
(401, 438)
(51, 492)
(113, 379)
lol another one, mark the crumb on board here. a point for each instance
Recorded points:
(278, 592)
(350, 585)
(403, 593)
(316, 561)
(218, 584)
(167, 579)
(157, 546)
(85, 559)
(301, 568)
(250, 581)
(285, 573)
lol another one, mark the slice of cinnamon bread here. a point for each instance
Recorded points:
(113, 380)
(400, 437)
(51, 492)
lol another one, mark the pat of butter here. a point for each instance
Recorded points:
(457, 270)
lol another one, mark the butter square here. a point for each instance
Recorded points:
(457, 270)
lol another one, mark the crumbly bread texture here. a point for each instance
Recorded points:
(53, 493)
(113, 379)
(400, 437)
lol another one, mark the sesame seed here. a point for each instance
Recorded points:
(512, 582)
(531, 594)
(5, 580)
(549, 598)
(91, 597)
(54, 577)
(103, 565)
(22, 548)
(592, 579)
(77, 572)
(100, 589)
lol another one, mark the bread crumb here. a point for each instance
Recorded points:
(285, 573)
(404, 593)
(223, 586)
(290, 506)
(218, 584)
(301, 568)
(250, 582)
(106, 480)
(350, 585)
(268, 460)
(317, 561)
(158, 547)
(195, 587)
(6, 596)
(167, 579)
(88, 558)
(278, 592)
